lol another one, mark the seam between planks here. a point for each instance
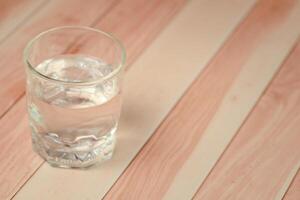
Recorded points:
(247, 117)
(10, 34)
(293, 179)
(26, 180)
(99, 18)
(291, 183)
(12, 105)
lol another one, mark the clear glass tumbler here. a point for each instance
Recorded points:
(74, 94)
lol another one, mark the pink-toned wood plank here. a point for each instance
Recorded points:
(259, 160)
(293, 192)
(127, 19)
(152, 172)
(17, 164)
(14, 13)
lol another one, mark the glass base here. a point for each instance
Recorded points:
(75, 156)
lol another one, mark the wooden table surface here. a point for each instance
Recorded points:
(211, 101)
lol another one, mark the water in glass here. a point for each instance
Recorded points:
(74, 125)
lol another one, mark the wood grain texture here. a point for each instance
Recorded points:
(137, 22)
(17, 164)
(14, 13)
(266, 149)
(160, 13)
(293, 192)
(185, 37)
(203, 112)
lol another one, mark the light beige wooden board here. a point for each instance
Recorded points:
(13, 13)
(264, 155)
(293, 192)
(275, 43)
(240, 71)
(54, 13)
(151, 90)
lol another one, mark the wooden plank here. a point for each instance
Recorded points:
(151, 90)
(266, 149)
(14, 13)
(159, 12)
(293, 192)
(193, 128)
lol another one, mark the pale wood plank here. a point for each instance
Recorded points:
(259, 160)
(159, 13)
(17, 162)
(231, 85)
(13, 13)
(293, 192)
(151, 90)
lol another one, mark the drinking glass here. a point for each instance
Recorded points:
(74, 77)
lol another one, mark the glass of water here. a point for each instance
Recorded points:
(74, 79)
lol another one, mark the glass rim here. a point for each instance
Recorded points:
(87, 82)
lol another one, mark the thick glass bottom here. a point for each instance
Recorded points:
(81, 154)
